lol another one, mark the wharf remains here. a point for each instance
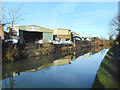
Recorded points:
(13, 52)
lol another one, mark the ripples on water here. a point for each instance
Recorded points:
(71, 70)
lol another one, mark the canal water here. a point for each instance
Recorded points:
(71, 70)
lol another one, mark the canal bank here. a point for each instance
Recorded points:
(70, 70)
(108, 73)
(14, 52)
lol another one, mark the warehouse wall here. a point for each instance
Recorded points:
(47, 36)
(61, 32)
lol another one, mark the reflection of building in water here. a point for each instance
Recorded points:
(87, 55)
(10, 74)
(96, 50)
(63, 61)
(15, 74)
(45, 66)
(32, 70)
(73, 57)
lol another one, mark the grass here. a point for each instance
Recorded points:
(107, 74)
(106, 79)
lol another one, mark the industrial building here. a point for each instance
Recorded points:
(2, 31)
(62, 34)
(31, 33)
(95, 41)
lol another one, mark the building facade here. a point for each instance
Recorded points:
(31, 33)
(2, 31)
(62, 34)
(95, 41)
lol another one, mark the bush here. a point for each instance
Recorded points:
(47, 48)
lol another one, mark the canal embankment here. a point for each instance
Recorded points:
(108, 72)
(60, 67)
(14, 52)
(38, 63)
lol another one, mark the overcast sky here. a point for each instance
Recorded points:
(84, 18)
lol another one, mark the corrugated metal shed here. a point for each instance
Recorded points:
(46, 34)
(34, 28)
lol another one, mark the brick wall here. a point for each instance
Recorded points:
(2, 31)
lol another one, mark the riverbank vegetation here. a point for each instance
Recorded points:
(108, 73)
(14, 52)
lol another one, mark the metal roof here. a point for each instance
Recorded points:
(62, 29)
(34, 28)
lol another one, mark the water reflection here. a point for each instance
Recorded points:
(11, 71)
(63, 61)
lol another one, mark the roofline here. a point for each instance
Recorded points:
(35, 31)
(37, 26)
(63, 29)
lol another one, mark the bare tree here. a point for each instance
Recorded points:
(112, 34)
(114, 31)
(10, 14)
(115, 23)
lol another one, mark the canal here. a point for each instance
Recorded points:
(67, 70)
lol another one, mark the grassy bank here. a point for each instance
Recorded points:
(108, 73)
